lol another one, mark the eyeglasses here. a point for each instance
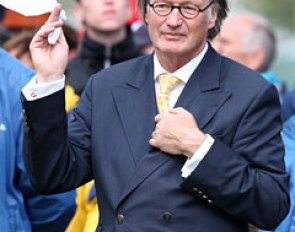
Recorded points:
(188, 11)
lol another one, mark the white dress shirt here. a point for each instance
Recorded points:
(33, 91)
(184, 73)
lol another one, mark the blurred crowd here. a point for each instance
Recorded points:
(102, 40)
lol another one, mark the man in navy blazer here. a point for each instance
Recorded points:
(214, 162)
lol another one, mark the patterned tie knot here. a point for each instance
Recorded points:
(167, 82)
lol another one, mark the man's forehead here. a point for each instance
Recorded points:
(197, 2)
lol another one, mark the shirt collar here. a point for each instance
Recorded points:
(185, 71)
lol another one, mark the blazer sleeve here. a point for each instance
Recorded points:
(246, 177)
(45, 212)
(48, 148)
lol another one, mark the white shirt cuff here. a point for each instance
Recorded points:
(33, 91)
(191, 163)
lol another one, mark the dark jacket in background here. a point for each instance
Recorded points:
(93, 57)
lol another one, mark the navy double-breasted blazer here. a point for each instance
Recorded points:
(241, 180)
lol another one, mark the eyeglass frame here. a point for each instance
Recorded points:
(179, 8)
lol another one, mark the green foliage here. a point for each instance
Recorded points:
(282, 12)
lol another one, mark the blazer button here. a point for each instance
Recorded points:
(167, 216)
(205, 197)
(120, 218)
(210, 201)
(196, 190)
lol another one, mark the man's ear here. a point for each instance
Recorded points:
(146, 20)
(213, 17)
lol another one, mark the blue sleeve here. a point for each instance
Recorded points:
(288, 105)
(288, 224)
(45, 212)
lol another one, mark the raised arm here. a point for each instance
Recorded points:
(49, 61)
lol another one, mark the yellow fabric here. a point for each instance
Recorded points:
(167, 82)
(87, 215)
(70, 97)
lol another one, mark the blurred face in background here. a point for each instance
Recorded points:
(18, 46)
(102, 15)
(232, 42)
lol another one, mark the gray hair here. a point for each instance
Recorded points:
(221, 6)
(261, 35)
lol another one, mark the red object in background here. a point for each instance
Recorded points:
(135, 15)
(14, 20)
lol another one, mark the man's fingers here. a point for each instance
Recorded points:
(158, 118)
(177, 110)
(47, 28)
(42, 35)
(153, 142)
(54, 16)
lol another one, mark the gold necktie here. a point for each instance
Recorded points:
(167, 82)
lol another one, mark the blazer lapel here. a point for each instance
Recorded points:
(202, 95)
(137, 108)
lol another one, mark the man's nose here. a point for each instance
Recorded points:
(175, 17)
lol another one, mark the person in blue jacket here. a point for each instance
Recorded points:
(22, 209)
(288, 105)
(288, 224)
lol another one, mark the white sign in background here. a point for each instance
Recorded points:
(29, 7)
(35, 7)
